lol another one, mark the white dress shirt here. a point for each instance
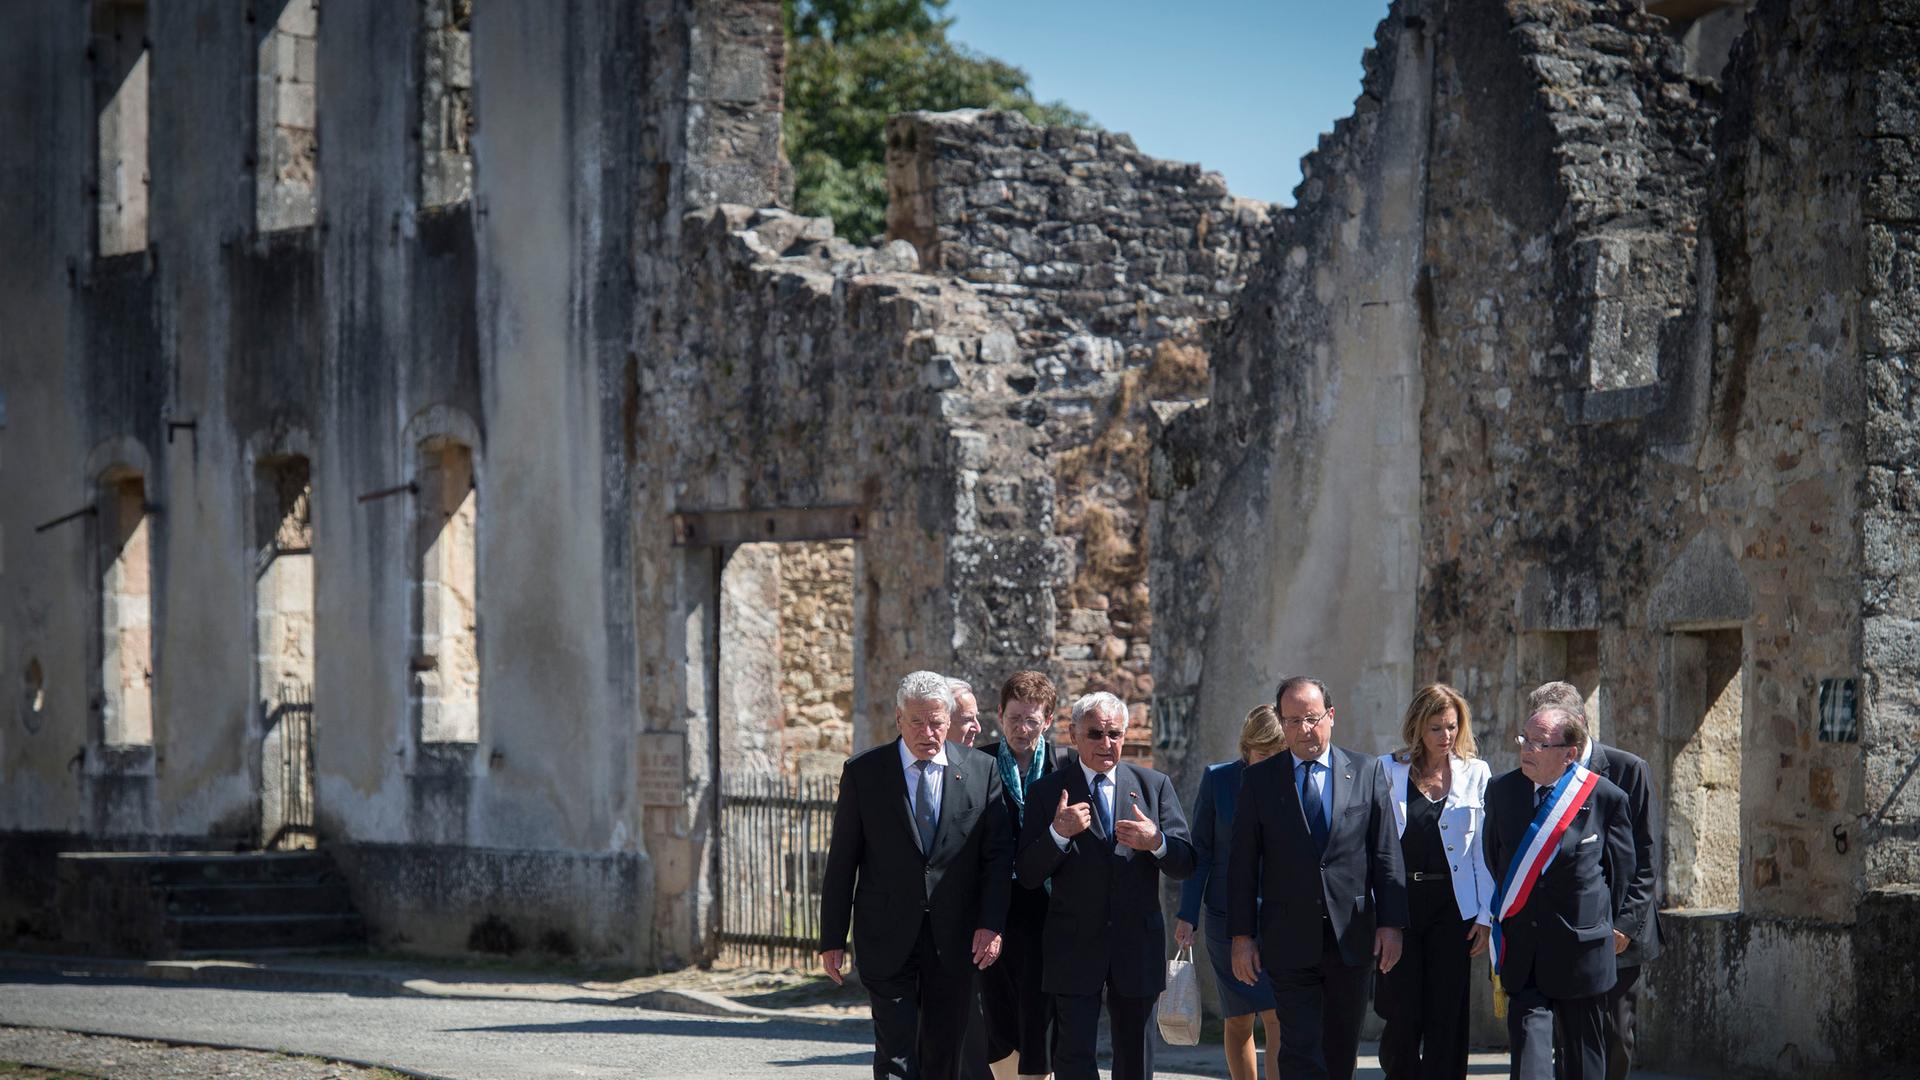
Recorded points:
(1105, 793)
(936, 769)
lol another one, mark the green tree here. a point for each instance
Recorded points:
(853, 63)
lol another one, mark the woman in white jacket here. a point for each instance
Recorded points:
(1439, 793)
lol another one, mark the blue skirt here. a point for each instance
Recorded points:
(1236, 997)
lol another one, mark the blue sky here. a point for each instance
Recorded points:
(1244, 87)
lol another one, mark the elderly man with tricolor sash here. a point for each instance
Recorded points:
(1559, 840)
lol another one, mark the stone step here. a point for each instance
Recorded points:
(259, 898)
(216, 868)
(252, 933)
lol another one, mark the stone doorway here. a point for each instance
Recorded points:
(787, 658)
(1704, 842)
(284, 650)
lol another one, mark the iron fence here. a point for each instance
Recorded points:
(774, 832)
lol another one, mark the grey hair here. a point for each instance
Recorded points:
(924, 686)
(1571, 727)
(1099, 702)
(1557, 695)
(959, 686)
(1295, 682)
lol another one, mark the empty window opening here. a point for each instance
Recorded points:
(287, 154)
(1704, 852)
(126, 612)
(284, 649)
(120, 65)
(446, 662)
(446, 102)
(787, 658)
(1571, 656)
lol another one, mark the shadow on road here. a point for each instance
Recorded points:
(702, 1027)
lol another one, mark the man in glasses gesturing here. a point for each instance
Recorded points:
(1103, 831)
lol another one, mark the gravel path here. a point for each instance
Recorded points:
(132, 1059)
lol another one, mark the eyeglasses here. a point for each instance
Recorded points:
(1105, 734)
(1525, 743)
(1026, 723)
(1302, 721)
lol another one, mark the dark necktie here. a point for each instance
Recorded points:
(924, 818)
(1316, 810)
(1540, 796)
(1100, 807)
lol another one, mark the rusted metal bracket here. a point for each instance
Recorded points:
(408, 488)
(85, 511)
(707, 528)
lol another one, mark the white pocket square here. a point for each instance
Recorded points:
(1591, 839)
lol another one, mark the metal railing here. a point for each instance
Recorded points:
(774, 832)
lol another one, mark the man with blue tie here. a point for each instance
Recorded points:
(1103, 832)
(920, 822)
(1316, 874)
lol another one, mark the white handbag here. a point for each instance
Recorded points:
(1178, 1010)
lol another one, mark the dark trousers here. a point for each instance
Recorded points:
(1531, 1020)
(1320, 1011)
(919, 1014)
(1623, 1006)
(976, 1053)
(1077, 1026)
(1424, 998)
(1019, 1015)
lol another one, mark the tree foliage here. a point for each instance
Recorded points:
(853, 63)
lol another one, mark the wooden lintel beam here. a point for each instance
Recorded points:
(706, 528)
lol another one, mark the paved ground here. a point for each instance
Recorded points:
(441, 1029)
(131, 1059)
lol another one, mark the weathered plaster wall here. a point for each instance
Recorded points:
(498, 322)
(1285, 508)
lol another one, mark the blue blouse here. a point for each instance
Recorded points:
(1212, 841)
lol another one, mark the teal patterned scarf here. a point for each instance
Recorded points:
(1014, 782)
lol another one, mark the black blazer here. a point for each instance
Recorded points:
(1103, 918)
(1639, 919)
(1279, 888)
(877, 875)
(1563, 937)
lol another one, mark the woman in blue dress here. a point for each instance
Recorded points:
(1261, 737)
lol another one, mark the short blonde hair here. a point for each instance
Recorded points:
(1262, 729)
(1428, 702)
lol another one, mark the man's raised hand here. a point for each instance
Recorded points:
(1138, 832)
(1070, 821)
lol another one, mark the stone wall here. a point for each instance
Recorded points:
(1662, 412)
(816, 655)
(1106, 265)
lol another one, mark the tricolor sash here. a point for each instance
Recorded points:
(1538, 846)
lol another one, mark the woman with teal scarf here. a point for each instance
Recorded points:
(1019, 1016)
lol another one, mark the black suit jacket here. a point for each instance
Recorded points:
(1278, 887)
(1103, 919)
(877, 875)
(1563, 937)
(1639, 919)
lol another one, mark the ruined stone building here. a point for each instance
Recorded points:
(1587, 353)
(424, 435)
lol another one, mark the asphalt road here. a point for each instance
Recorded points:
(464, 1039)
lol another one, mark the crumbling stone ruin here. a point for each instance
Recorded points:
(1583, 356)
(496, 417)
